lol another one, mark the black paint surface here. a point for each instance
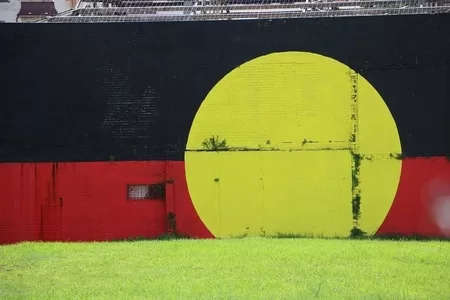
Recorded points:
(86, 92)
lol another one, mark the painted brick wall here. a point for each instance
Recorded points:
(87, 109)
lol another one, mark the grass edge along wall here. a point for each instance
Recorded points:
(251, 132)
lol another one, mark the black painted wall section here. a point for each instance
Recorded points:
(86, 92)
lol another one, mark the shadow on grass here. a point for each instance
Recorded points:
(414, 237)
(163, 237)
(360, 235)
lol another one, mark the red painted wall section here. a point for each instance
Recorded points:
(88, 201)
(422, 203)
(95, 205)
(188, 221)
(20, 203)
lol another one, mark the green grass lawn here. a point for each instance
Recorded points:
(249, 268)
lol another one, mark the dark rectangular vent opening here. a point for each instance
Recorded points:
(146, 191)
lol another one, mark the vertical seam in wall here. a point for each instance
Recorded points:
(261, 182)
(447, 110)
(354, 111)
(354, 146)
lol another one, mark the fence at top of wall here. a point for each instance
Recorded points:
(94, 11)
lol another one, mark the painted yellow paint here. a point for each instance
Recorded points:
(291, 113)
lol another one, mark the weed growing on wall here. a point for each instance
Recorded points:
(357, 233)
(215, 144)
(352, 138)
(356, 192)
(398, 156)
(172, 222)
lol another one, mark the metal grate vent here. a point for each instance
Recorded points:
(146, 192)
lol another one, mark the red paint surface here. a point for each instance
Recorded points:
(424, 184)
(88, 201)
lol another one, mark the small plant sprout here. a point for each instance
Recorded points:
(215, 144)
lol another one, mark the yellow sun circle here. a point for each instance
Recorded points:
(292, 143)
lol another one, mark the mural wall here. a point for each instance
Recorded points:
(323, 127)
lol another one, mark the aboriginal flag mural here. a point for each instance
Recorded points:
(318, 127)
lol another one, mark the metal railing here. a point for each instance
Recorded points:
(202, 11)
